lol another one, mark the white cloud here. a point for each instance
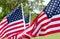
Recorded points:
(36, 11)
(0, 9)
(31, 0)
(46, 2)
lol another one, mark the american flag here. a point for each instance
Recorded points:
(27, 20)
(12, 24)
(47, 22)
(27, 23)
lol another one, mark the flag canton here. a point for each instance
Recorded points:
(53, 8)
(15, 15)
(27, 18)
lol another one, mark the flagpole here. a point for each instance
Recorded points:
(23, 15)
(23, 21)
(30, 17)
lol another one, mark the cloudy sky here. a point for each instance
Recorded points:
(46, 2)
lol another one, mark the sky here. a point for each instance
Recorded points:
(37, 11)
(46, 2)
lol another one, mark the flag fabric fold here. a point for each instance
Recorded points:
(27, 23)
(12, 24)
(47, 22)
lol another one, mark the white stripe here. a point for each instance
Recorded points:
(15, 22)
(12, 31)
(43, 22)
(11, 35)
(11, 24)
(30, 28)
(52, 23)
(50, 29)
(27, 23)
(3, 21)
(38, 33)
(39, 25)
(47, 20)
(19, 35)
(11, 27)
(3, 24)
(56, 16)
(14, 37)
(42, 17)
(36, 30)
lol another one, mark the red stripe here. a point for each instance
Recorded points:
(27, 25)
(10, 25)
(20, 31)
(38, 25)
(11, 29)
(33, 23)
(41, 21)
(3, 23)
(3, 26)
(51, 32)
(40, 15)
(13, 36)
(14, 24)
(55, 25)
(31, 31)
(55, 19)
(51, 26)
(52, 20)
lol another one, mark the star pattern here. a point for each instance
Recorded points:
(15, 15)
(53, 8)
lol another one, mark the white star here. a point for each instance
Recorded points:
(51, 11)
(58, 2)
(49, 16)
(52, 8)
(55, 13)
(55, 1)
(58, 11)
(48, 10)
(51, 3)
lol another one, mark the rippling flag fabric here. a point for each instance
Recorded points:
(47, 22)
(27, 23)
(12, 24)
(27, 20)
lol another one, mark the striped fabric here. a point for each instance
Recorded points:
(47, 22)
(12, 24)
(27, 23)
